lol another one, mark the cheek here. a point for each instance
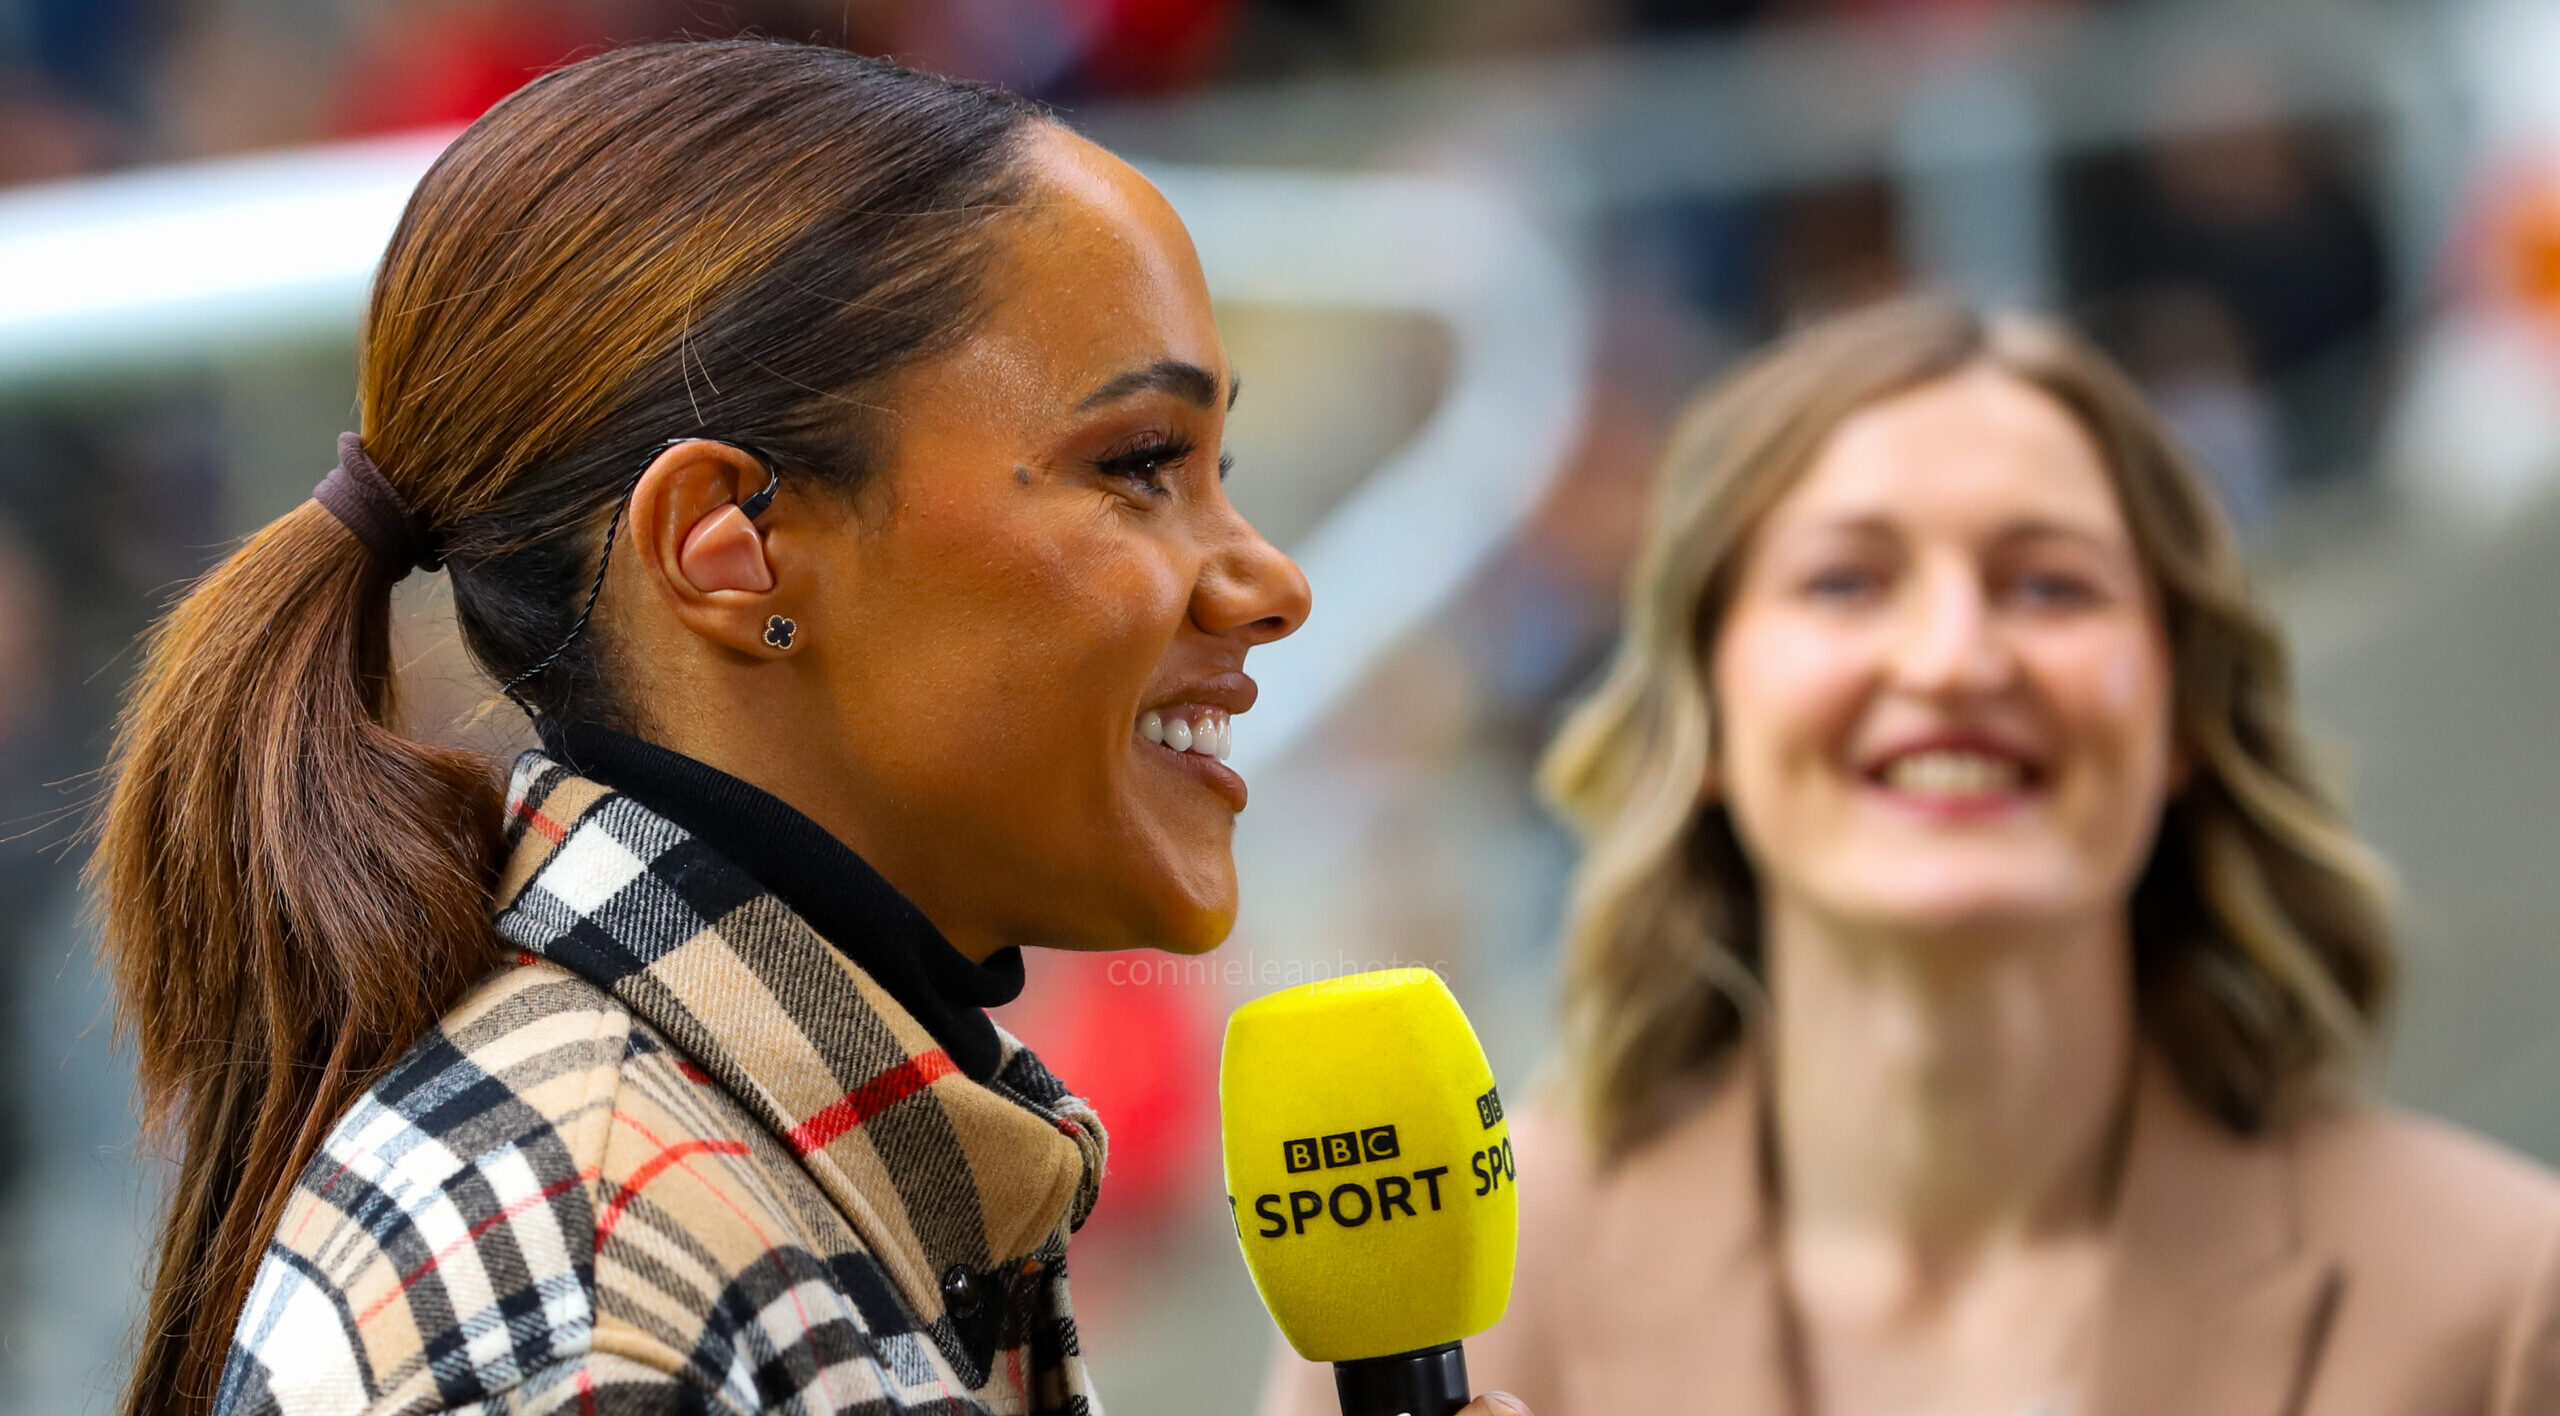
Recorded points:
(1116, 611)
(2128, 683)
(1086, 623)
(1057, 619)
(2112, 694)
(2117, 687)
(1078, 632)
(1001, 661)
(1783, 692)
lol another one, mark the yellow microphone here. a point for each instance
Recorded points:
(1369, 1171)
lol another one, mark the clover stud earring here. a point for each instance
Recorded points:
(778, 631)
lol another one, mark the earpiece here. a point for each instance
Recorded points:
(724, 552)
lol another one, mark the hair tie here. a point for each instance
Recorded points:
(356, 492)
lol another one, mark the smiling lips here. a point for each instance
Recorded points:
(1193, 728)
(1948, 773)
(1964, 775)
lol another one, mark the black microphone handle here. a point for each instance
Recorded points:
(1430, 1381)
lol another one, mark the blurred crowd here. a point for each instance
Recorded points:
(2236, 261)
(86, 84)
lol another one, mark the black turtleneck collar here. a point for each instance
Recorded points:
(818, 877)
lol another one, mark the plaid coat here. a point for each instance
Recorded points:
(680, 1154)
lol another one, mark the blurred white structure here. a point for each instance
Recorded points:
(2476, 439)
(181, 264)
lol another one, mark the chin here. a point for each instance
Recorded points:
(1168, 927)
(1949, 885)
(1197, 932)
(1189, 907)
(1951, 908)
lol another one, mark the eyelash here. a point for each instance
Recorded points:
(1145, 464)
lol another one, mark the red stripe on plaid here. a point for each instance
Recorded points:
(870, 1099)
(649, 1170)
(532, 816)
(797, 1306)
(309, 1210)
(634, 1122)
(409, 1279)
(692, 1072)
(587, 1391)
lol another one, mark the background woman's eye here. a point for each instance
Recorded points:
(1841, 582)
(2054, 590)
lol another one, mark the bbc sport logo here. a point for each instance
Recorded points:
(1340, 1149)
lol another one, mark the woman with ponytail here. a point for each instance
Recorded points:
(826, 456)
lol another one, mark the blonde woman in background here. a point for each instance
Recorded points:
(1966, 969)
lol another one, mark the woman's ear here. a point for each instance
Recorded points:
(708, 561)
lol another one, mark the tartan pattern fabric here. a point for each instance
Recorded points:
(678, 1155)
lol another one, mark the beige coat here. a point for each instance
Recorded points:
(2361, 1264)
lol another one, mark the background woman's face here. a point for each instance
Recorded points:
(1048, 579)
(1942, 687)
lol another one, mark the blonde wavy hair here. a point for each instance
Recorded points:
(2261, 925)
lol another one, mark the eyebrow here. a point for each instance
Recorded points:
(1184, 380)
(2011, 532)
(2045, 529)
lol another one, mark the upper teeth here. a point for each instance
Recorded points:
(1206, 731)
(1950, 773)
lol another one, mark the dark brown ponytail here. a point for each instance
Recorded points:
(293, 893)
(741, 240)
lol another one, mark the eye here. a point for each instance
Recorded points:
(2054, 590)
(1842, 584)
(1146, 463)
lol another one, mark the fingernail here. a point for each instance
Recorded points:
(1506, 1403)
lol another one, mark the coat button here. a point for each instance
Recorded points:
(962, 1292)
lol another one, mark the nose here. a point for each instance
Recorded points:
(1249, 589)
(1947, 642)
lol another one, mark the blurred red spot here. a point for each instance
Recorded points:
(1145, 1055)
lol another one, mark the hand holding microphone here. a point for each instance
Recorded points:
(1370, 1172)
